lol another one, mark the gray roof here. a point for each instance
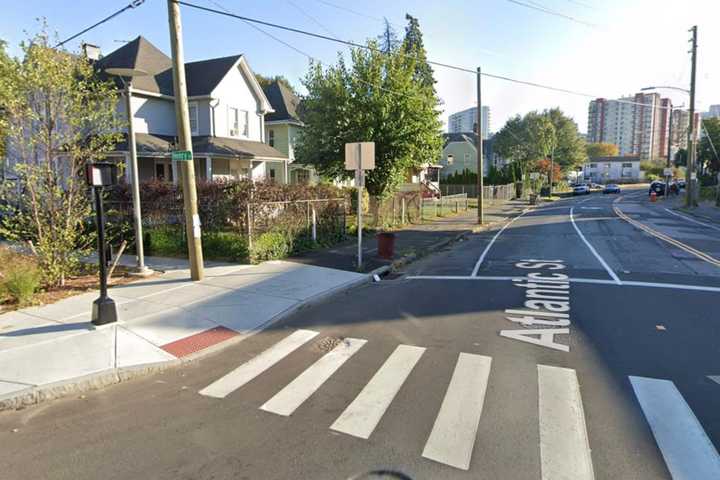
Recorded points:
(283, 101)
(624, 158)
(202, 77)
(147, 143)
(470, 137)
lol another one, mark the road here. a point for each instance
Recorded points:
(612, 372)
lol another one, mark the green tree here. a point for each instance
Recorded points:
(266, 81)
(570, 146)
(375, 98)
(707, 156)
(602, 150)
(414, 47)
(6, 74)
(59, 116)
(680, 158)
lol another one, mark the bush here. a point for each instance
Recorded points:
(270, 246)
(165, 241)
(20, 279)
(228, 246)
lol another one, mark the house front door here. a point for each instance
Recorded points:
(163, 170)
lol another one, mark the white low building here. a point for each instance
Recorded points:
(622, 169)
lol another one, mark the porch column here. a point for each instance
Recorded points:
(208, 169)
(128, 167)
(175, 171)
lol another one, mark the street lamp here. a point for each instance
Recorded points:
(122, 74)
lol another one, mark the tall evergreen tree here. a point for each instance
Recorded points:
(388, 40)
(413, 46)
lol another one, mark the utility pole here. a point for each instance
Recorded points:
(669, 152)
(552, 167)
(690, 200)
(479, 146)
(187, 167)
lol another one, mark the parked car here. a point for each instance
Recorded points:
(611, 188)
(658, 187)
(681, 184)
(595, 186)
(581, 189)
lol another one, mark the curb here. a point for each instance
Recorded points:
(693, 214)
(94, 381)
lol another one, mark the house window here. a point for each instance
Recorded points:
(467, 159)
(450, 159)
(271, 137)
(272, 175)
(593, 165)
(237, 122)
(193, 111)
(627, 165)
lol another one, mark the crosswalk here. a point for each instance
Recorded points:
(565, 450)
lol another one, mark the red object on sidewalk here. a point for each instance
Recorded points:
(653, 197)
(199, 341)
(386, 245)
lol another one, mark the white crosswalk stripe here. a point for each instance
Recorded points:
(564, 446)
(257, 365)
(362, 416)
(453, 435)
(686, 448)
(296, 392)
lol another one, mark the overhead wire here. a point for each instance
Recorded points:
(131, 5)
(431, 62)
(541, 8)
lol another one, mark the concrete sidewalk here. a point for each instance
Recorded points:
(706, 210)
(413, 240)
(51, 350)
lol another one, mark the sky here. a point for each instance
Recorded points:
(612, 48)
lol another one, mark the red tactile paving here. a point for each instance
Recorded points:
(199, 341)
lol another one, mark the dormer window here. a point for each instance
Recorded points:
(193, 111)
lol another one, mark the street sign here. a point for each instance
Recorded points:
(360, 155)
(182, 156)
(693, 176)
(667, 172)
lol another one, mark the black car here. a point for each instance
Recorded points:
(658, 188)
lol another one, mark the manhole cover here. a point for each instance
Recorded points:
(327, 344)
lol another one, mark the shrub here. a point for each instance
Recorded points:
(20, 281)
(229, 246)
(166, 241)
(270, 246)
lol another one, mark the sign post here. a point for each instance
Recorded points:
(99, 175)
(359, 156)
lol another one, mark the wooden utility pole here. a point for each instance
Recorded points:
(187, 167)
(479, 146)
(690, 190)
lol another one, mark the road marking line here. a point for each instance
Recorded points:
(287, 400)
(592, 249)
(599, 281)
(686, 448)
(692, 220)
(224, 386)
(701, 255)
(453, 435)
(714, 378)
(364, 413)
(495, 237)
(564, 445)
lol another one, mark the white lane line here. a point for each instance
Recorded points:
(489, 245)
(686, 448)
(453, 435)
(598, 281)
(364, 413)
(224, 386)
(287, 400)
(564, 446)
(692, 220)
(592, 249)
(715, 378)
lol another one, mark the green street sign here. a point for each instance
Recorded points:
(182, 156)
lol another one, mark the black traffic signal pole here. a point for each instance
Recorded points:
(104, 310)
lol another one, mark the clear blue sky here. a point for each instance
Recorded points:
(634, 43)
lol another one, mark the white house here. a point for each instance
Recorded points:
(623, 169)
(227, 107)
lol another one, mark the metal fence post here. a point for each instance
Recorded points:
(249, 226)
(314, 224)
(402, 205)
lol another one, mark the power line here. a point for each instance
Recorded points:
(541, 8)
(431, 62)
(313, 19)
(355, 12)
(132, 4)
(309, 57)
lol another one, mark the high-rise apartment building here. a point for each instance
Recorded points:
(638, 125)
(466, 121)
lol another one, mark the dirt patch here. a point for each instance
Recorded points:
(327, 344)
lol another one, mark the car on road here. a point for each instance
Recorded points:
(581, 189)
(681, 184)
(657, 187)
(595, 186)
(611, 188)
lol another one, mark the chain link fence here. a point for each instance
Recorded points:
(490, 192)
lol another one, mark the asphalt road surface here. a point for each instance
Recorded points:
(581, 341)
